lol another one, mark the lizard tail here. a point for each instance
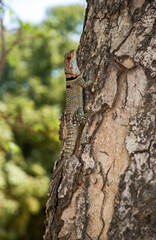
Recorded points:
(70, 139)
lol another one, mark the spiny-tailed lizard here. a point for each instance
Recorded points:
(74, 105)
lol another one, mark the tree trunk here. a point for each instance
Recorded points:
(107, 189)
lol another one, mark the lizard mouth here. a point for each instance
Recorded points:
(70, 73)
(71, 78)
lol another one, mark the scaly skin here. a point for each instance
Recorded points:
(74, 101)
(74, 105)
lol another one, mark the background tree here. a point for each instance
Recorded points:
(107, 189)
(32, 93)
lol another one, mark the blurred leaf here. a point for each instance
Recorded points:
(11, 146)
(37, 169)
(2, 10)
(11, 12)
(33, 205)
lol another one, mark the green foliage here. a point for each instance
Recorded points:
(32, 96)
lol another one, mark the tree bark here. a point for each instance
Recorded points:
(107, 189)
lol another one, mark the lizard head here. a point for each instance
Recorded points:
(70, 65)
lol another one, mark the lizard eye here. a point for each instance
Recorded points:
(68, 58)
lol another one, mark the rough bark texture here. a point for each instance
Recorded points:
(107, 189)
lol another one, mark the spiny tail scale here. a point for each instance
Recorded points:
(72, 132)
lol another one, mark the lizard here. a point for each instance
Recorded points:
(74, 105)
